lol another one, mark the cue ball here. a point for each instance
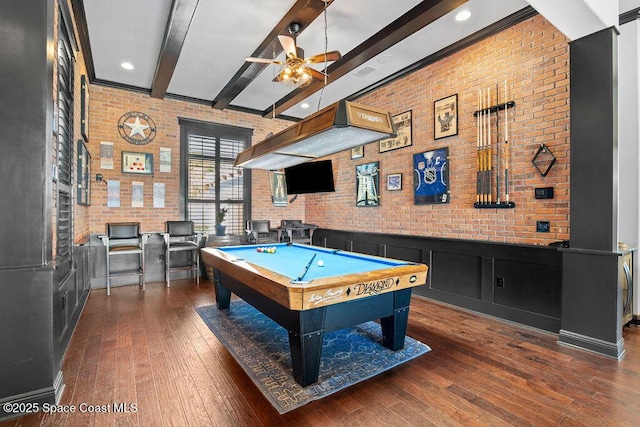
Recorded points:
(320, 263)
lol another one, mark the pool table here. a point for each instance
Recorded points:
(311, 290)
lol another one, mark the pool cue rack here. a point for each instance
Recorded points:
(495, 108)
(486, 145)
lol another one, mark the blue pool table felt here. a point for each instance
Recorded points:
(291, 260)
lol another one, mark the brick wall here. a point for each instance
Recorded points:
(109, 104)
(533, 57)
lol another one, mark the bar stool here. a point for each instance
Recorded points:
(180, 236)
(124, 238)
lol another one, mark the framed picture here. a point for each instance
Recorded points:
(357, 152)
(84, 107)
(404, 138)
(138, 163)
(278, 189)
(431, 177)
(445, 117)
(394, 181)
(368, 184)
(84, 174)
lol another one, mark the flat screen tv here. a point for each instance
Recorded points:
(310, 177)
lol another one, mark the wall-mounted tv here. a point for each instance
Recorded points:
(310, 177)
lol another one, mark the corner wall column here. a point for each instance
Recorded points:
(29, 367)
(591, 303)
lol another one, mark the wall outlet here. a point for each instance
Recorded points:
(499, 282)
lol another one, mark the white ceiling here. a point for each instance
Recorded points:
(223, 33)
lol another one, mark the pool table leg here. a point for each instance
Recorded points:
(223, 294)
(394, 327)
(306, 345)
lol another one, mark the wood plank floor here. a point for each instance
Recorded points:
(154, 351)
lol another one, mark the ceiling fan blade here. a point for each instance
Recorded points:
(289, 45)
(319, 75)
(334, 55)
(264, 60)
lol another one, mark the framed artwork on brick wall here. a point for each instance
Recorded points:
(84, 174)
(138, 163)
(445, 117)
(431, 177)
(84, 108)
(394, 182)
(278, 189)
(357, 152)
(404, 132)
(368, 184)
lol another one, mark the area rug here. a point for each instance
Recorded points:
(261, 347)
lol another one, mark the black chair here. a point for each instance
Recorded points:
(296, 231)
(260, 231)
(124, 238)
(179, 236)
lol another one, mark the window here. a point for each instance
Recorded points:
(64, 152)
(210, 181)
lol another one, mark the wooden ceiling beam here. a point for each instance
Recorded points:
(303, 12)
(414, 20)
(83, 32)
(182, 13)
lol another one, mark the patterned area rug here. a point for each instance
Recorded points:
(261, 347)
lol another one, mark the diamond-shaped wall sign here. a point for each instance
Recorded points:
(543, 160)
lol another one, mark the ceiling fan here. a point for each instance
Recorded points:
(296, 70)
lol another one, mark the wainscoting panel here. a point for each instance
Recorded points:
(457, 274)
(520, 283)
(366, 247)
(407, 254)
(529, 287)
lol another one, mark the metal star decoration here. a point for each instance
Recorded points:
(137, 128)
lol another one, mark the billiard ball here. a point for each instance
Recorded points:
(320, 263)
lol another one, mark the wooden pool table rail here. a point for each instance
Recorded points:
(317, 292)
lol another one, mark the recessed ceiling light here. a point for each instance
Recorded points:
(305, 105)
(463, 15)
(127, 65)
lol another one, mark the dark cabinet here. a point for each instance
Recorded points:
(69, 298)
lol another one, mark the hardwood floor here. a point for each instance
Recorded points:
(153, 350)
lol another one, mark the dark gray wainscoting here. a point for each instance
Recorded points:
(520, 283)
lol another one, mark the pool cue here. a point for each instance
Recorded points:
(506, 142)
(489, 145)
(306, 268)
(482, 200)
(478, 127)
(481, 149)
(485, 115)
(497, 145)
